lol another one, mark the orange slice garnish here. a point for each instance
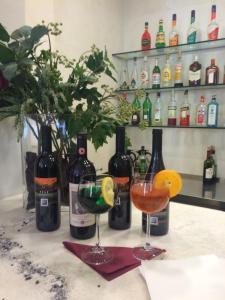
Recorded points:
(170, 179)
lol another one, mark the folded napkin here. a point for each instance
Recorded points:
(196, 278)
(123, 260)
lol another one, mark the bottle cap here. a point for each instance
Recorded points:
(196, 58)
(135, 59)
(193, 13)
(202, 99)
(146, 23)
(186, 92)
(174, 17)
(157, 131)
(158, 94)
(213, 61)
(214, 8)
(161, 21)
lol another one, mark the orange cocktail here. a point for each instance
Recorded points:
(149, 199)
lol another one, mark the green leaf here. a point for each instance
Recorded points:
(109, 73)
(38, 32)
(6, 54)
(9, 70)
(26, 61)
(22, 32)
(4, 36)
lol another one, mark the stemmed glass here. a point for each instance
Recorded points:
(149, 199)
(97, 195)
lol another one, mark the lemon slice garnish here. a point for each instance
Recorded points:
(107, 190)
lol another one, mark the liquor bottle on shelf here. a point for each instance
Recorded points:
(212, 112)
(159, 221)
(144, 78)
(143, 160)
(213, 27)
(173, 36)
(160, 37)
(192, 30)
(47, 196)
(124, 79)
(209, 169)
(167, 74)
(178, 74)
(157, 112)
(201, 113)
(120, 166)
(156, 76)
(147, 110)
(172, 111)
(136, 106)
(146, 39)
(195, 72)
(134, 75)
(82, 223)
(212, 73)
(185, 111)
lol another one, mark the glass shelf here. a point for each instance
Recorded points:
(203, 45)
(168, 89)
(180, 127)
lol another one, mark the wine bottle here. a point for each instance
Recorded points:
(146, 39)
(82, 223)
(47, 196)
(159, 221)
(120, 166)
(209, 169)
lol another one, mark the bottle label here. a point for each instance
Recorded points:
(178, 73)
(200, 118)
(166, 75)
(145, 116)
(154, 221)
(211, 76)
(157, 115)
(146, 43)
(209, 173)
(172, 112)
(212, 115)
(46, 192)
(123, 187)
(160, 38)
(194, 76)
(144, 78)
(133, 83)
(156, 78)
(134, 117)
(174, 40)
(192, 37)
(213, 34)
(184, 116)
(79, 217)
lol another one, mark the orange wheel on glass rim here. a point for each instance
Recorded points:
(170, 179)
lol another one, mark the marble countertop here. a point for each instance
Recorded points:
(60, 275)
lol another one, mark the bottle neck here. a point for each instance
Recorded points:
(82, 145)
(160, 28)
(192, 20)
(157, 145)
(213, 15)
(120, 140)
(174, 23)
(46, 139)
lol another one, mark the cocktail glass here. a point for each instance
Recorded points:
(97, 195)
(149, 199)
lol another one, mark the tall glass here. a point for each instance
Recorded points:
(97, 195)
(149, 200)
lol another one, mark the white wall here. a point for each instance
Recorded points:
(12, 15)
(184, 149)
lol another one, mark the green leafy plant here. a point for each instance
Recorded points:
(32, 87)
